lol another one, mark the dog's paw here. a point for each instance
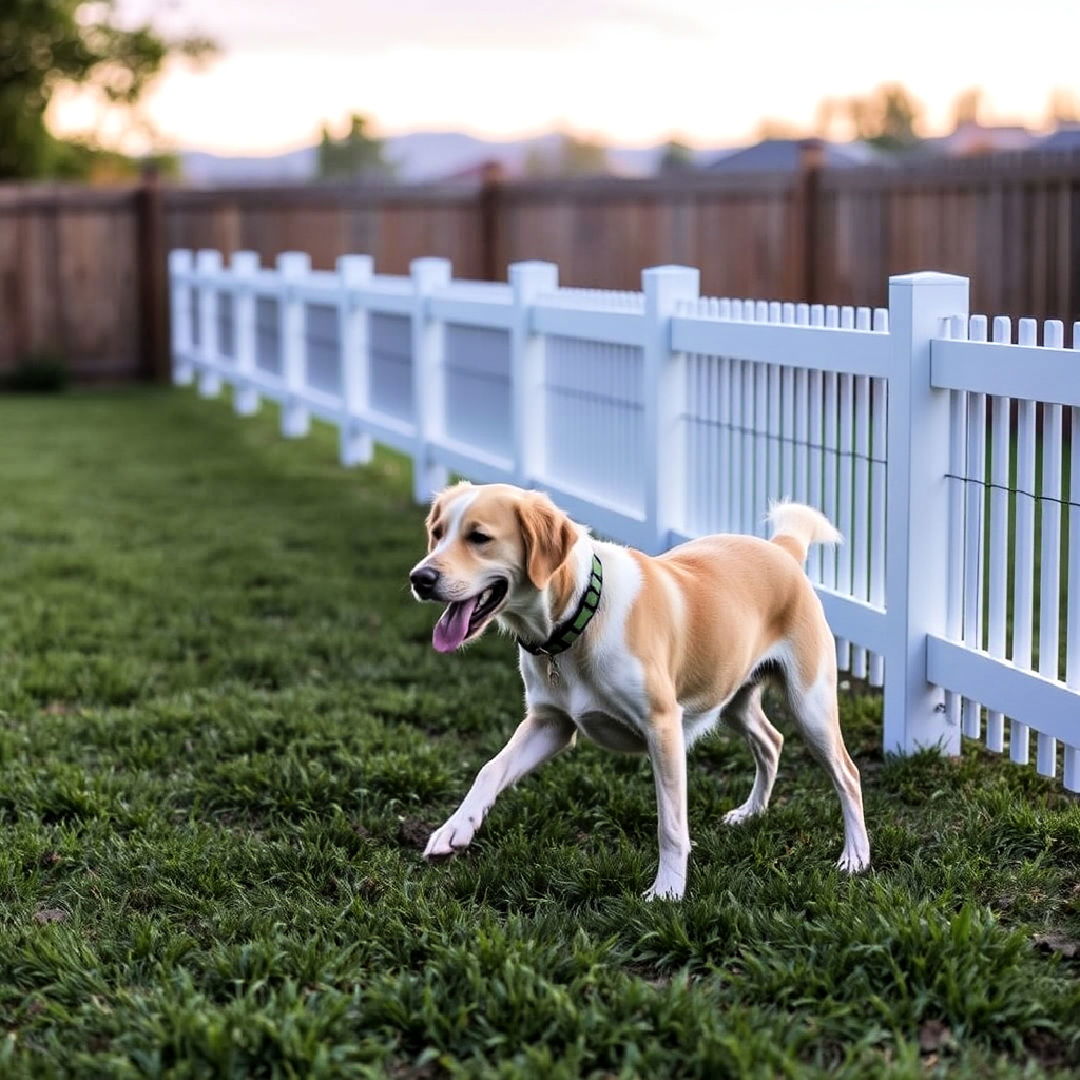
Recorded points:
(742, 813)
(664, 889)
(454, 836)
(853, 862)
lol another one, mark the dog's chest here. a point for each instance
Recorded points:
(606, 701)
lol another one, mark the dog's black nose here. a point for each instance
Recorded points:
(424, 581)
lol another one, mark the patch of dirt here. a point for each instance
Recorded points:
(1054, 942)
(414, 833)
(51, 915)
(934, 1036)
(405, 1070)
(1047, 1049)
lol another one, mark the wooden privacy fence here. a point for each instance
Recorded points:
(80, 270)
(659, 415)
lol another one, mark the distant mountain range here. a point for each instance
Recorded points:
(420, 156)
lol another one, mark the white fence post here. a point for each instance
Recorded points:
(917, 505)
(528, 402)
(295, 418)
(181, 263)
(208, 263)
(244, 266)
(664, 396)
(356, 445)
(429, 398)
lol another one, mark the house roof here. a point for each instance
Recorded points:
(1067, 137)
(782, 155)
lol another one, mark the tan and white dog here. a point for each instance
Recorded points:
(676, 643)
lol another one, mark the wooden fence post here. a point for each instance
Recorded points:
(490, 207)
(208, 265)
(663, 376)
(355, 272)
(917, 508)
(807, 206)
(244, 266)
(152, 285)
(181, 264)
(528, 402)
(293, 266)
(429, 396)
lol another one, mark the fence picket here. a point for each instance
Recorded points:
(975, 473)
(1071, 774)
(1050, 561)
(1024, 559)
(997, 563)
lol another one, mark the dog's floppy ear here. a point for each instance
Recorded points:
(548, 535)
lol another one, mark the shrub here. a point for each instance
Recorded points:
(41, 372)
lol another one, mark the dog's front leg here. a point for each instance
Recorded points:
(667, 751)
(539, 737)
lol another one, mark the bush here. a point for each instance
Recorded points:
(39, 373)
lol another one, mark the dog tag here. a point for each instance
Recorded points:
(553, 670)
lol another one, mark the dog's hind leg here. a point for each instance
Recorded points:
(746, 716)
(539, 737)
(814, 708)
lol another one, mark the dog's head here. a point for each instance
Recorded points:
(490, 547)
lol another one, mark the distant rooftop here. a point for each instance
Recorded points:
(1067, 137)
(973, 138)
(782, 155)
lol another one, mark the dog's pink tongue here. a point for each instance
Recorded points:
(453, 625)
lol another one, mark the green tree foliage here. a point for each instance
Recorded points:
(358, 155)
(47, 44)
(888, 117)
(573, 156)
(676, 157)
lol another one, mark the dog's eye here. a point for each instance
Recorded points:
(436, 533)
(477, 537)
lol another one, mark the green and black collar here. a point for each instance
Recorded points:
(569, 630)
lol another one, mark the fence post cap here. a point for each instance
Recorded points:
(532, 264)
(430, 270)
(671, 270)
(244, 262)
(355, 269)
(927, 277)
(180, 259)
(208, 259)
(294, 263)
(534, 276)
(665, 285)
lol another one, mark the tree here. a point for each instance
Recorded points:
(887, 117)
(676, 157)
(357, 155)
(770, 128)
(47, 44)
(966, 107)
(573, 156)
(1063, 107)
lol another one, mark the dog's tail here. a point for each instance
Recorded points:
(796, 527)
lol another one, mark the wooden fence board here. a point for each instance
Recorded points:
(70, 257)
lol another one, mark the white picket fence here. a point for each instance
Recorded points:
(661, 415)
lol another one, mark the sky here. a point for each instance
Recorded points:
(632, 72)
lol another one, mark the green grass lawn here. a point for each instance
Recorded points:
(224, 737)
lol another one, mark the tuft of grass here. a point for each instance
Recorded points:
(224, 737)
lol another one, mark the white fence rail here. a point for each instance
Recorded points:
(661, 415)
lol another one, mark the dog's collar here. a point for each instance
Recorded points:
(569, 630)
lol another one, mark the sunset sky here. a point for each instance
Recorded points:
(630, 71)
